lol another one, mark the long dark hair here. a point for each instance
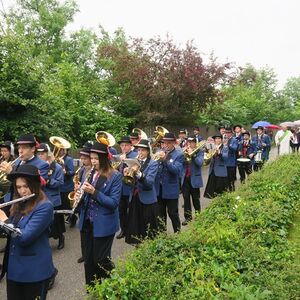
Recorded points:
(25, 208)
(105, 165)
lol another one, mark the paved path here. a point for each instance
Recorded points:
(69, 284)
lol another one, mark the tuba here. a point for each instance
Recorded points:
(59, 143)
(142, 134)
(158, 135)
(105, 138)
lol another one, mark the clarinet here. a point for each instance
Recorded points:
(88, 179)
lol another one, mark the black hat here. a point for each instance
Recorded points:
(196, 128)
(260, 127)
(27, 139)
(182, 130)
(86, 149)
(125, 139)
(237, 125)
(217, 135)
(6, 144)
(43, 147)
(25, 171)
(246, 132)
(143, 144)
(228, 129)
(99, 148)
(192, 138)
(169, 136)
(134, 135)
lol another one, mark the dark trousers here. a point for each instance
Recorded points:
(123, 212)
(188, 191)
(244, 168)
(231, 171)
(65, 204)
(170, 206)
(27, 290)
(96, 252)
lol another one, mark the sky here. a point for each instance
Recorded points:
(260, 32)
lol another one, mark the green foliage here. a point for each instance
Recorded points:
(237, 248)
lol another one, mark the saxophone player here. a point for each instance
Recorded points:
(192, 179)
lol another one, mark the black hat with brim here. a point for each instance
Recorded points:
(192, 138)
(99, 148)
(26, 139)
(125, 139)
(6, 144)
(217, 136)
(43, 148)
(169, 137)
(134, 135)
(25, 171)
(86, 149)
(143, 144)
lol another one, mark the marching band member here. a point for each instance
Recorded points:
(6, 152)
(196, 131)
(263, 144)
(192, 180)
(168, 179)
(238, 132)
(99, 218)
(233, 145)
(134, 138)
(222, 130)
(217, 182)
(182, 138)
(68, 186)
(247, 149)
(28, 258)
(52, 190)
(85, 169)
(143, 211)
(26, 148)
(127, 152)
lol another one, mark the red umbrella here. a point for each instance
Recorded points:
(272, 126)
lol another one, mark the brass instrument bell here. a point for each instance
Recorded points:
(105, 138)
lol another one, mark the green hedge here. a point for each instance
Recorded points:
(237, 248)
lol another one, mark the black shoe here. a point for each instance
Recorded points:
(52, 279)
(184, 223)
(61, 242)
(73, 221)
(80, 260)
(120, 235)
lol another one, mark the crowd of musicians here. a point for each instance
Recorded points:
(129, 192)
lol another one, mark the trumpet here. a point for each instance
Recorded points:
(3, 175)
(129, 178)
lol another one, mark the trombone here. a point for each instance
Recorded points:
(190, 155)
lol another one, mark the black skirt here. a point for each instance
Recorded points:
(57, 228)
(215, 185)
(142, 221)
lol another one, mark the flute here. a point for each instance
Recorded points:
(16, 201)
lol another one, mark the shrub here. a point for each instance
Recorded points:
(237, 248)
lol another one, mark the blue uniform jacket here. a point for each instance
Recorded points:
(146, 184)
(169, 175)
(106, 213)
(35, 161)
(233, 145)
(251, 148)
(195, 168)
(30, 255)
(55, 181)
(265, 139)
(125, 187)
(68, 185)
(218, 163)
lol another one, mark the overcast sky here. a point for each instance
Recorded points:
(260, 32)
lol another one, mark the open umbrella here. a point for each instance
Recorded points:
(287, 124)
(272, 126)
(261, 123)
(296, 123)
